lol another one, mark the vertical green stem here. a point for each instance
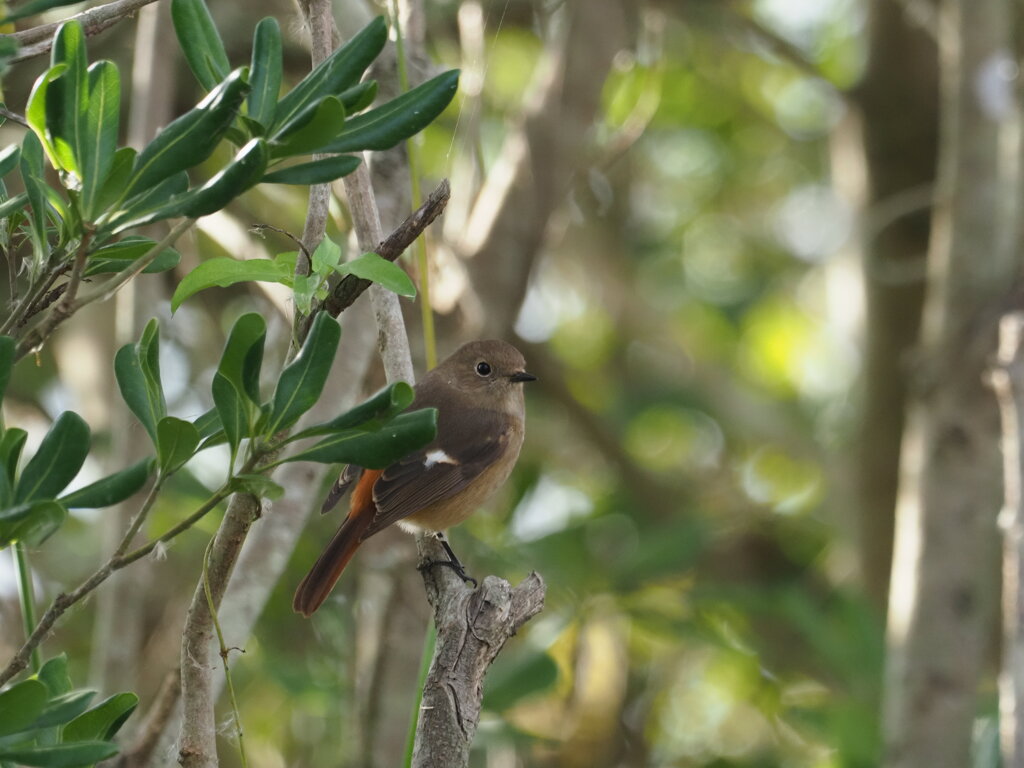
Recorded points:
(23, 574)
(420, 246)
(428, 654)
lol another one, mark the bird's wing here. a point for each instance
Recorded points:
(349, 474)
(452, 461)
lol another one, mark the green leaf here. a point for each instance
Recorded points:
(118, 256)
(311, 129)
(302, 382)
(100, 128)
(208, 423)
(111, 489)
(232, 409)
(176, 442)
(43, 520)
(359, 96)
(54, 675)
(146, 206)
(338, 72)
(15, 203)
(117, 179)
(370, 414)
(31, 165)
(7, 348)
(64, 708)
(315, 172)
(508, 684)
(67, 98)
(372, 267)
(9, 48)
(102, 721)
(265, 71)
(20, 705)
(377, 449)
(137, 370)
(326, 257)
(243, 172)
(75, 755)
(200, 42)
(191, 138)
(9, 159)
(222, 272)
(11, 443)
(36, 110)
(398, 119)
(32, 7)
(60, 456)
(243, 354)
(257, 485)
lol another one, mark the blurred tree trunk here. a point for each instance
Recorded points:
(898, 99)
(942, 601)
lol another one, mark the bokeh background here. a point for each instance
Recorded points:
(706, 224)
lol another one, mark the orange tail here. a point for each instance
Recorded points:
(325, 573)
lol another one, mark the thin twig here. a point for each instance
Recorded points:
(13, 117)
(38, 40)
(351, 287)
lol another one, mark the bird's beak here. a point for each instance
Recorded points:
(522, 376)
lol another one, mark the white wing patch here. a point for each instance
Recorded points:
(437, 456)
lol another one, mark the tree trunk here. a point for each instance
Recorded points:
(941, 606)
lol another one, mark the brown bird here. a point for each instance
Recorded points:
(481, 417)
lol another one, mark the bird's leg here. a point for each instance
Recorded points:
(452, 562)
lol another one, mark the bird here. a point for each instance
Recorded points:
(481, 415)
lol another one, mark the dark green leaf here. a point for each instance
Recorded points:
(191, 138)
(243, 172)
(11, 443)
(54, 675)
(102, 721)
(398, 119)
(148, 206)
(32, 7)
(233, 410)
(509, 683)
(311, 130)
(303, 380)
(243, 355)
(60, 456)
(100, 128)
(200, 41)
(117, 179)
(111, 489)
(208, 423)
(9, 159)
(372, 267)
(13, 513)
(76, 755)
(315, 172)
(338, 72)
(265, 72)
(67, 98)
(137, 369)
(359, 97)
(257, 485)
(9, 48)
(43, 520)
(375, 450)
(222, 272)
(176, 442)
(118, 256)
(7, 347)
(13, 204)
(31, 165)
(370, 414)
(64, 708)
(20, 705)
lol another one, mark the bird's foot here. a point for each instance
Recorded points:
(452, 561)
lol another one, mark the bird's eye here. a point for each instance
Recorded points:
(483, 369)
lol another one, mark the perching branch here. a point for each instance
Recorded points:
(472, 628)
(1007, 380)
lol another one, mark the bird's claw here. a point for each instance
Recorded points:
(455, 566)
